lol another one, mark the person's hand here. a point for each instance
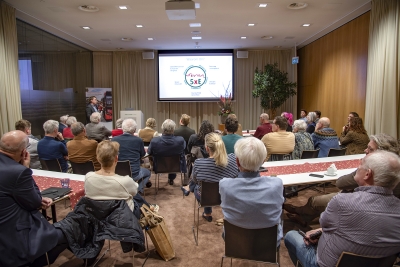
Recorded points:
(25, 159)
(60, 136)
(66, 157)
(46, 202)
(309, 241)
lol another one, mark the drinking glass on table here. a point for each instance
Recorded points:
(64, 182)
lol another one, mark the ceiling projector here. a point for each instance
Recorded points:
(180, 10)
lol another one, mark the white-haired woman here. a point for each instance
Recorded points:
(211, 169)
(303, 140)
(311, 118)
(67, 133)
(95, 130)
(118, 130)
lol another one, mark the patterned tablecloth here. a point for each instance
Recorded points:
(78, 187)
(311, 167)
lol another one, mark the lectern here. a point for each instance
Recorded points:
(137, 115)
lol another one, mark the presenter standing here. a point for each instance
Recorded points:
(91, 107)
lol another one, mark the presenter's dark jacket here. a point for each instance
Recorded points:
(24, 233)
(89, 110)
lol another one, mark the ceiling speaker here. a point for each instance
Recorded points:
(148, 55)
(242, 54)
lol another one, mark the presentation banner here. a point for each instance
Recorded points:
(104, 104)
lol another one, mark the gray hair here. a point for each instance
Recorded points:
(50, 126)
(264, 116)
(71, 120)
(312, 116)
(77, 128)
(95, 117)
(63, 118)
(300, 125)
(118, 124)
(386, 142)
(129, 126)
(168, 126)
(250, 152)
(385, 167)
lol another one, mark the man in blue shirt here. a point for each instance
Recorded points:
(52, 146)
(132, 149)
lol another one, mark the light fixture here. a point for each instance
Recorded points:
(196, 32)
(251, 24)
(267, 37)
(197, 5)
(139, 26)
(86, 27)
(122, 7)
(150, 39)
(243, 37)
(193, 25)
(127, 39)
(196, 37)
(306, 25)
(263, 5)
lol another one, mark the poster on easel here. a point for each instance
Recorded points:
(104, 104)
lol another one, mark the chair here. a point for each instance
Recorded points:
(280, 157)
(309, 154)
(210, 197)
(348, 259)
(166, 164)
(82, 168)
(251, 244)
(333, 152)
(146, 143)
(51, 165)
(123, 168)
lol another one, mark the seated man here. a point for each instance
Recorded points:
(183, 130)
(231, 126)
(26, 237)
(52, 146)
(132, 149)
(364, 222)
(317, 204)
(279, 141)
(95, 129)
(81, 149)
(260, 204)
(169, 145)
(264, 128)
(25, 126)
(324, 137)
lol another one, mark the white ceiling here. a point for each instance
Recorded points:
(223, 23)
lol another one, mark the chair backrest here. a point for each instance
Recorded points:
(309, 154)
(333, 152)
(123, 168)
(50, 165)
(350, 260)
(82, 168)
(169, 164)
(251, 244)
(210, 194)
(146, 143)
(280, 157)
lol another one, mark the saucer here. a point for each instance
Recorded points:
(327, 174)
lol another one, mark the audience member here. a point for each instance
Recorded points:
(240, 128)
(289, 118)
(364, 222)
(250, 201)
(95, 129)
(324, 137)
(81, 149)
(311, 118)
(91, 108)
(67, 133)
(52, 146)
(118, 130)
(25, 126)
(132, 149)
(26, 237)
(317, 204)
(264, 128)
(318, 113)
(212, 169)
(355, 138)
(231, 126)
(63, 123)
(168, 145)
(197, 140)
(183, 129)
(352, 114)
(303, 115)
(303, 140)
(149, 131)
(279, 141)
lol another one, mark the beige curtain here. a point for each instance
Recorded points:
(383, 78)
(10, 97)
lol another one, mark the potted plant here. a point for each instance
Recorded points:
(225, 105)
(273, 87)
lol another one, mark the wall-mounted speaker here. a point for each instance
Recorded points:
(242, 54)
(148, 55)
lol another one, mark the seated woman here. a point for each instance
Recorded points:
(355, 138)
(303, 140)
(67, 133)
(95, 130)
(148, 132)
(311, 117)
(198, 139)
(104, 184)
(289, 118)
(212, 169)
(118, 130)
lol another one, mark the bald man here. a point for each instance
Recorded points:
(324, 137)
(25, 235)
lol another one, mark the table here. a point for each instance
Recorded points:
(248, 133)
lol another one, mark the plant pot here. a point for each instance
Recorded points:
(223, 119)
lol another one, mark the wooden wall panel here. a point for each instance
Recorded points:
(332, 72)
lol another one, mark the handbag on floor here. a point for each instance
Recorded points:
(157, 230)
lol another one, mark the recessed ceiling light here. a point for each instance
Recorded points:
(251, 24)
(243, 37)
(88, 8)
(122, 7)
(195, 25)
(197, 5)
(196, 37)
(306, 25)
(86, 27)
(150, 39)
(263, 5)
(139, 26)
(127, 39)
